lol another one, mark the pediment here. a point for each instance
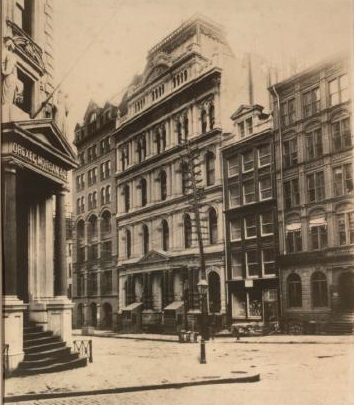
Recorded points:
(47, 136)
(157, 67)
(154, 256)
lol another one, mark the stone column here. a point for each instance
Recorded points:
(12, 311)
(59, 246)
(10, 222)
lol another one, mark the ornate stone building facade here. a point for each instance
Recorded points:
(185, 96)
(95, 238)
(36, 158)
(314, 156)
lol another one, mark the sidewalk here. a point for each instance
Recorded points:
(270, 339)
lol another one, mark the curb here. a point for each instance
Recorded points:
(54, 395)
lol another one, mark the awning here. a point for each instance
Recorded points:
(293, 226)
(317, 221)
(174, 305)
(132, 306)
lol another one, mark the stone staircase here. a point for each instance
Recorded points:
(46, 353)
(341, 323)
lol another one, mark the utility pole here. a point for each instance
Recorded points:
(197, 194)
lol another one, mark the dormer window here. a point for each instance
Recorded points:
(241, 129)
(249, 126)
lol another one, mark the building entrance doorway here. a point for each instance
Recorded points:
(346, 291)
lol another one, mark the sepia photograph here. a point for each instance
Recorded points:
(177, 202)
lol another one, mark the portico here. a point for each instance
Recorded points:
(36, 159)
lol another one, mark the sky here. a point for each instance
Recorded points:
(104, 43)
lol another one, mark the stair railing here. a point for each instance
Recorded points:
(84, 348)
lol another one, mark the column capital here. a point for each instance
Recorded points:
(11, 166)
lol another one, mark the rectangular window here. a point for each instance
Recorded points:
(343, 179)
(252, 263)
(290, 152)
(265, 188)
(267, 223)
(249, 126)
(247, 161)
(345, 224)
(338, 90)
(314, 144)
(249, 193)
(241, 129)
(268, 262)
(250, 227)
(264, 155)
(315, 187)
(288, 112)
(318, 237)
(236, 265)
(291, 193)
(311, 102)
(233, 167)
(341, 134)
(234, 196)
(235, 229)
(294, 240)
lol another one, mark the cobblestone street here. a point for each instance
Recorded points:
(290, 373)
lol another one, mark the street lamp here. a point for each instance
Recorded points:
(203, 289)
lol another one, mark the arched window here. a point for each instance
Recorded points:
(126, 195)
(319, 289)
(213, 227)
(165, 236)
(145, 235)
(163, 185)
(214, 292)
(211, 116)
(143, 190)
(80, 231)
(128, 243)
(187, 231)
(93, 227)
(294, 290)
(210, 168)
(106, 223)
(185, 178)
(203, 119)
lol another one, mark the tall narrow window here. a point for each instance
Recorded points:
(211, 116)
(163, 185)
(343, 179)
(311, 102)
(293, 237)
(264, 155)
(341, 134)
(233, 167)
(186, 186)
(126, 196)
(145, 239)
(290, 152)
(315, 187)
(314, 146)
(128, 243)
(213, 227)
(234, 195)
(187, 231)
(210, 168)
(294, 290)
(143, 190)
(252, 265)
(204, 120)
(265, 188)
(235, 229)
(345, 226)
(165, 236)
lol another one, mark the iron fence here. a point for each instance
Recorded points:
(84, 348)
(5, 358)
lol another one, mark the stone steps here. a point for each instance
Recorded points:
(46, 353)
